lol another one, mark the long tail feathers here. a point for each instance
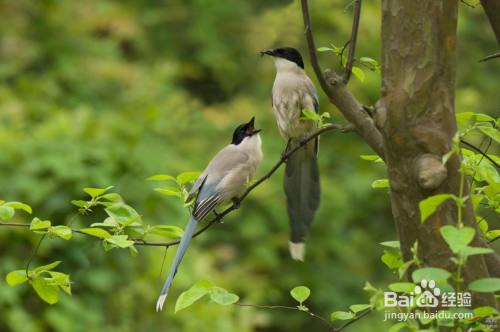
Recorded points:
(302, 189)
(181, 250)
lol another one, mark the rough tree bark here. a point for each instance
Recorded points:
(414, 125)
(416, 118)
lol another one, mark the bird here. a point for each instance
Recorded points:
(223, 180)
(292, 93)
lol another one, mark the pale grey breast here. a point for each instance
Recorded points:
(293, 92)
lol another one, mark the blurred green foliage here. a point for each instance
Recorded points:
(102, 92)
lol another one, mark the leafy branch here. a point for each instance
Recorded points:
(221, 296)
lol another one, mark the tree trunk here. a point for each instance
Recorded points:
(417, 120)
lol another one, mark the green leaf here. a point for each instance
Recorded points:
(359, 307)
(97, 232)
(167, 230)
(120, 241)
(485, 285)
(16, 277)
(113, 197)
(161, 177)
(429, 205)
(470, 251)
(94, 192)
(491, 235)
(62, 280)
(485, 311)
(47, 292)
(457, 238)
(392, 259)
(193, 294)
(133, 251)
(491, 132)
(6, 212)
(300, 293)
(187, 177)
(222, 296)
(397, 327)
(463, 117)
(430, 273)
(341, 315)
(402, 287)
(359, 73)
(122, 213)
(371, 157)
(404, 267)
(368, 60)
(169, 191)
(80, 203)
(37, 224)
(391, 244)
(381, 184)
(19, 206)
(324, 49)
(311, 115)
(47, 267)
(108, 222)
(64, 232)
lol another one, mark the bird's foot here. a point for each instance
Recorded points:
(219, 217)
(303, 141)
(236, 202)
(285, 151)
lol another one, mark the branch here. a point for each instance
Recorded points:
(467, 4)
(480, 152)
(352, 41)
(333, 86)
(489, 57)
(323, 319)
(355, 319)
(492, 10)
(311, 48)
(234, 206)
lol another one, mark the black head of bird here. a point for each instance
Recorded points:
(287, 53)
(244, 130)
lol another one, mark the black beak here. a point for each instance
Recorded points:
(250, 127)
(267, 52)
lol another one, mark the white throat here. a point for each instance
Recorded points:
(252, 146)
(286, 66)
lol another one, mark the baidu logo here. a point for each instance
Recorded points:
(427, 295)
(430, 294)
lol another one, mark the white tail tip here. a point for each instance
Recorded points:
(297, 250)
(159, 303)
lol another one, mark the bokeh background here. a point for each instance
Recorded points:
(103, 92)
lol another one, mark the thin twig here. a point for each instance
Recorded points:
(467, 4)
(234, 206)
(163, 263)
(341, 57)
(480, 151)
(352, 41)
(355, 319)
(312, 314)
(34, 253)
(311, 47)
(493, 240)
(489, 57)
